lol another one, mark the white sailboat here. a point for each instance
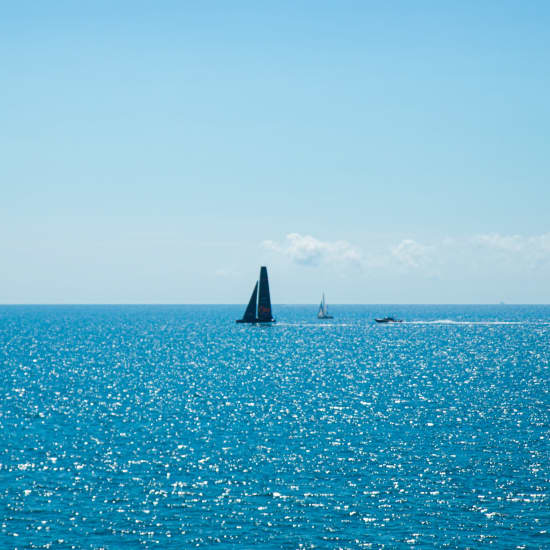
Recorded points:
(323, 310)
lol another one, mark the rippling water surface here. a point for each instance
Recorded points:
(173, 427)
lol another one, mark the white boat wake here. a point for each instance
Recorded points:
(451, 322)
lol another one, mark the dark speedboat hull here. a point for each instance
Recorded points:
(388, 320)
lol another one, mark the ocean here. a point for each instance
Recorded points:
(174, 427)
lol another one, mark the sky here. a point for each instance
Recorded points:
(381, 152)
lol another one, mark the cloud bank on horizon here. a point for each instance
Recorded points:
(491, 251)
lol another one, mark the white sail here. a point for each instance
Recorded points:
(323, 309)
(321, 312)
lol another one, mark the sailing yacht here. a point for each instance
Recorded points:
(259, 306)
(323, 310)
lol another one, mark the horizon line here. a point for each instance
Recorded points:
(50, 304)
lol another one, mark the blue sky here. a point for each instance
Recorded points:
(382, 152)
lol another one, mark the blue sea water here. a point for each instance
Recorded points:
(173, 427)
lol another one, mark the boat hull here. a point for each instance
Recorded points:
(256, 322)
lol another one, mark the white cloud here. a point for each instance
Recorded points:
(307, 250)
(410, 253)
(514, 243)
(511, 243)
(530, 251)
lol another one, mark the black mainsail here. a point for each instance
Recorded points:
(259, 309)
(264, 301)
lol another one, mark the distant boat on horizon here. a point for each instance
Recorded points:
(259, 306)
(323, 310)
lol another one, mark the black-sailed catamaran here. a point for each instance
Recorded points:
(259, 306)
